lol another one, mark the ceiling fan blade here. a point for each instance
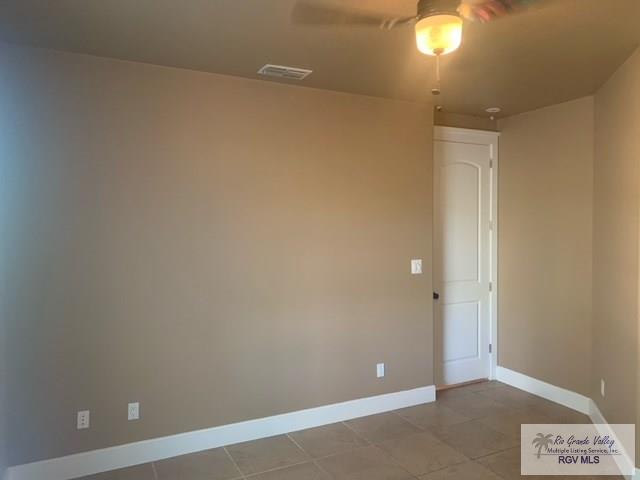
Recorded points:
(309, 13)
(489, 10)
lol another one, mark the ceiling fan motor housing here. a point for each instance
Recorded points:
(427, 8)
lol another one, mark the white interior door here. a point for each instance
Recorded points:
(462, 260)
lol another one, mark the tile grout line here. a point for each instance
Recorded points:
(313, 460)
(437, 439)
(356, 433)
(155, 472)
(322, 470)
(275, 469)
(370, 444)
(497, 452)
(235, 464)
(427, 431)
(298, 445)
(375, 445)
(483, 393)
(394, 460)
(421, 428)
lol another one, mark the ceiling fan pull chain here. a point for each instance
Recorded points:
(436, 90)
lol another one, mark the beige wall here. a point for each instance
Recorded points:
(616, 243)
(545, 212)
(3, 397)
(4, 282)
(216, 248)
(447, 119)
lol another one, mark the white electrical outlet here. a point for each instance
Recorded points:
(380, 370)
(602, 387)
(416, 267)
(133, 411)
(83, 419)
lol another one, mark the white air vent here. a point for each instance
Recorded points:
(284, 72)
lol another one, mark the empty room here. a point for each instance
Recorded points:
(319, 239)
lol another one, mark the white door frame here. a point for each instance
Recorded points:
(482, 137)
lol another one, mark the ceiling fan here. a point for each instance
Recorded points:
(438, 23)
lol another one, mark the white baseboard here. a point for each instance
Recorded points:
(595, 414)
(597, 418)
(560, 395)
(556, 394)
(97, 461)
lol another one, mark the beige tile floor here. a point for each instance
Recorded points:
(469, 433)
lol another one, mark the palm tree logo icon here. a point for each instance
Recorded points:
(542, 441)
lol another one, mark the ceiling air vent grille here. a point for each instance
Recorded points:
(280, 71)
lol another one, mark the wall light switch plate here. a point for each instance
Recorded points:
(83, 419)
(380, 370)
(133, 411)
(416, 267)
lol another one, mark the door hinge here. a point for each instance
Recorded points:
(490, 163)
(490, 348)
(491, 286)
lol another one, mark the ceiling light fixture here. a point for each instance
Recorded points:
(439, 34)
(438, 31)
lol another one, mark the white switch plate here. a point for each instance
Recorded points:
(83, 419)
(380, 370)
(133, 411)
(416, 267)
(602, 387)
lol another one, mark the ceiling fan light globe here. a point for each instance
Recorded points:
(439, 34)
